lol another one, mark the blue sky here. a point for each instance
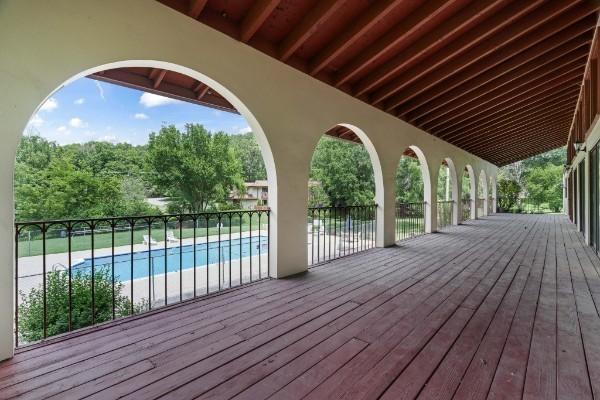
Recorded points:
(88, 110)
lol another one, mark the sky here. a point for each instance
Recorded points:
(89, 110)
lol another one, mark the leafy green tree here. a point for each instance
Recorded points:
(409, 181)
(317, 196)
(466, 186)
(247, 152)
(544, 185)
(195, 166)
(444, 186)
(508, 193)
(344, 171)
(31, 308)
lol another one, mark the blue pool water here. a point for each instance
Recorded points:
(146, 262)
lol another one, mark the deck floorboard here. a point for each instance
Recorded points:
(500, 308)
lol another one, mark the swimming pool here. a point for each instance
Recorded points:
(146, 263)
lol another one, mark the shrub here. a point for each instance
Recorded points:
(31, 309)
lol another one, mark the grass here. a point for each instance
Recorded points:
(103, 240)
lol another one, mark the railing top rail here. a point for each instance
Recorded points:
(138, 217)
(343, 206)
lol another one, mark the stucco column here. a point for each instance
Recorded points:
(386, 202)
(458, 209)
(431, 201)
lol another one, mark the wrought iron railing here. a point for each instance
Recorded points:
(466, 209)
(445, 213)
(76, 273)
(410, 220)
(338, 231)
(524, 205)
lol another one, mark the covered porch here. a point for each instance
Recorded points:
(503, 307)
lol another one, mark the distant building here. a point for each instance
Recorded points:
(256, 195)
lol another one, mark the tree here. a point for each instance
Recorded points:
(544, 185)
(344, 171)
(409, 181)
(195, 166)
(31, 309)
(508, 193)
(247, 152)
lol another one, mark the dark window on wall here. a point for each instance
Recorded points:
(581, 195)
(594, 218)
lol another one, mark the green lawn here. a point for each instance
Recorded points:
(104, 240)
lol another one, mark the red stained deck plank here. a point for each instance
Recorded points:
(456, 315)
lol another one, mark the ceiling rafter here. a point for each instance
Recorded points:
(494, 51)
(511, 134)
(533, 59)
(310, 24)
(256, 16)
(479, 33)
(493, 120)
(396, 34)
(552, 136)
(507, 93)
(555, 114)
(196, 7)
(506, 101)
(347, 38)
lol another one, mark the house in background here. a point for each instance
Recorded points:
(255, 196)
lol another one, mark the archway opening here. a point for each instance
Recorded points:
(468, 194)
(136, 187)
(342, 187)
(411, 182)
(446, 194)
(482, 194)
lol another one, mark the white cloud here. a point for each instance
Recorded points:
(150, 100)
(36, 121)
(140, 116)
(112, 139)
(77, 123)
(63, 130)
(49, 105)
(79, 101)
(217, 113)
(246, 129)
(100, 90)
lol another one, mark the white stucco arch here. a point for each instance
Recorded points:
(427, 185)
(454, 195)
(492, 190)
(472, 189)
(286, 108)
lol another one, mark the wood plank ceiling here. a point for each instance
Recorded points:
(498, 78)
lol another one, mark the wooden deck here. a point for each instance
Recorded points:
(501, 308)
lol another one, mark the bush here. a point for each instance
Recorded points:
(31, 309)
(508, 190)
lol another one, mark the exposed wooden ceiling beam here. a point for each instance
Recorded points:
(518, 150)
(542, 104)
(453, 125)
(256, 16)
(348, 37)
(139, 82)
(508, 92)
(196, 7)
(494, 51)
(427, 43)
(484, 139)
(317, 16)
(542, 56)
(479, 33)
(542, 148)
(509, 129)
(157, 75)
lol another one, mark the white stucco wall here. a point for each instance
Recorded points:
(44, 44)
